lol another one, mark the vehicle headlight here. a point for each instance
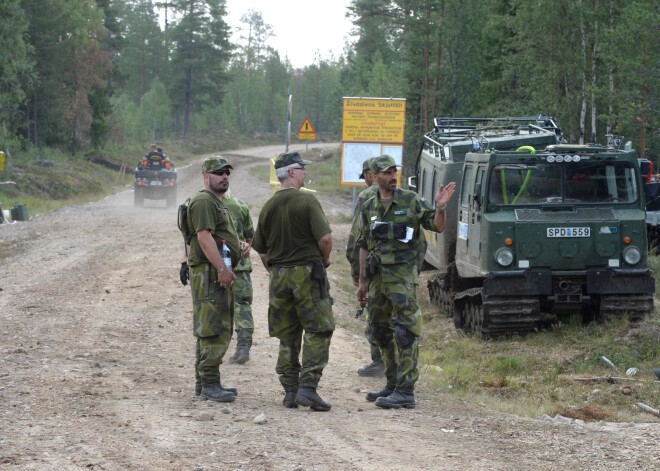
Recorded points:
(504, 257)
(632, 255)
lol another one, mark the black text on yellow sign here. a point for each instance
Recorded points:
(306, 131)
(373, 120)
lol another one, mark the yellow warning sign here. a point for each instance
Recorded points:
(306, 130)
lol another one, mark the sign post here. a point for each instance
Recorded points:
(306, 133)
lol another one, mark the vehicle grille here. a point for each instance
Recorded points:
(583, 214)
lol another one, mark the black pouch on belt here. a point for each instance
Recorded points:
(318, 273)
(373, 265)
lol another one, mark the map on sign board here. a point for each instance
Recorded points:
(354, 154)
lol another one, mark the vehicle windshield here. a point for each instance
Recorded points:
(588, 182)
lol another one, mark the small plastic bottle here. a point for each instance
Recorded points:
(226, 254)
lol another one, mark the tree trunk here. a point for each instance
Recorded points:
(594, 126)
(583, 107)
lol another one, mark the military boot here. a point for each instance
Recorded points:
(198, 389)
(309, 398)
(240, 356)
(214, 392)
(289, 400)
(397, 400)
(373, 370)
(385, 392)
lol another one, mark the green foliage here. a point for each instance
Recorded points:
(154, 112)
(125, 113)
(323, 174)
(528, 375)
(15, 65)
(64, 63)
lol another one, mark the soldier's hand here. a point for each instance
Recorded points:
(226, 278)
(444, 194)
(362, 295)
(184, 273)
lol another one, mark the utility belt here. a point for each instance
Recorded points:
(209, 276)
(317, 274)
(373, 265)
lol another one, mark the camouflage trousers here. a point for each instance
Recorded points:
(396, 323)
(243, 321)
(376, 356)
(300, 316)
(213, 312)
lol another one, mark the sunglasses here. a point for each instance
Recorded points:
(298, 168)
(221, 172)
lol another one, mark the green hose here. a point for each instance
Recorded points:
(505, 197)
(527, 177)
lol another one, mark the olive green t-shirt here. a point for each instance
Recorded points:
(289, 227)
(206, 211)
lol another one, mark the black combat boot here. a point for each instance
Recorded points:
(240, 356)
(198, 389)
(372, 370)
(243, 344)
(373, 395)
(309, 398)
(397, 400)
(289, 400)
(214, 392)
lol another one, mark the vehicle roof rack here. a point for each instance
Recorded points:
(454, 128)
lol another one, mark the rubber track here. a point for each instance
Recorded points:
(634, 307)
(505, 315)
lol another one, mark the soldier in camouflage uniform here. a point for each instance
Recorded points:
(210, 279)
(243, 322)
(376, 368)
(294, 241)
(391, 223)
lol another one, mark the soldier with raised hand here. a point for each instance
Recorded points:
(376, 368)
(211, 279)
(243, 321)
(294, 241)
(391, 223)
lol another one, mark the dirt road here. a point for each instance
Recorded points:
(97, 368)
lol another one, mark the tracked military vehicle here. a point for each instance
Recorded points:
(539, 228)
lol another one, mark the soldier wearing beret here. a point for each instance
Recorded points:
(294, 242)
(211, 279)
(391, 223)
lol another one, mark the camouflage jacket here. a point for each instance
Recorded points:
(240, 215)
(352, 250)
(393, 234)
